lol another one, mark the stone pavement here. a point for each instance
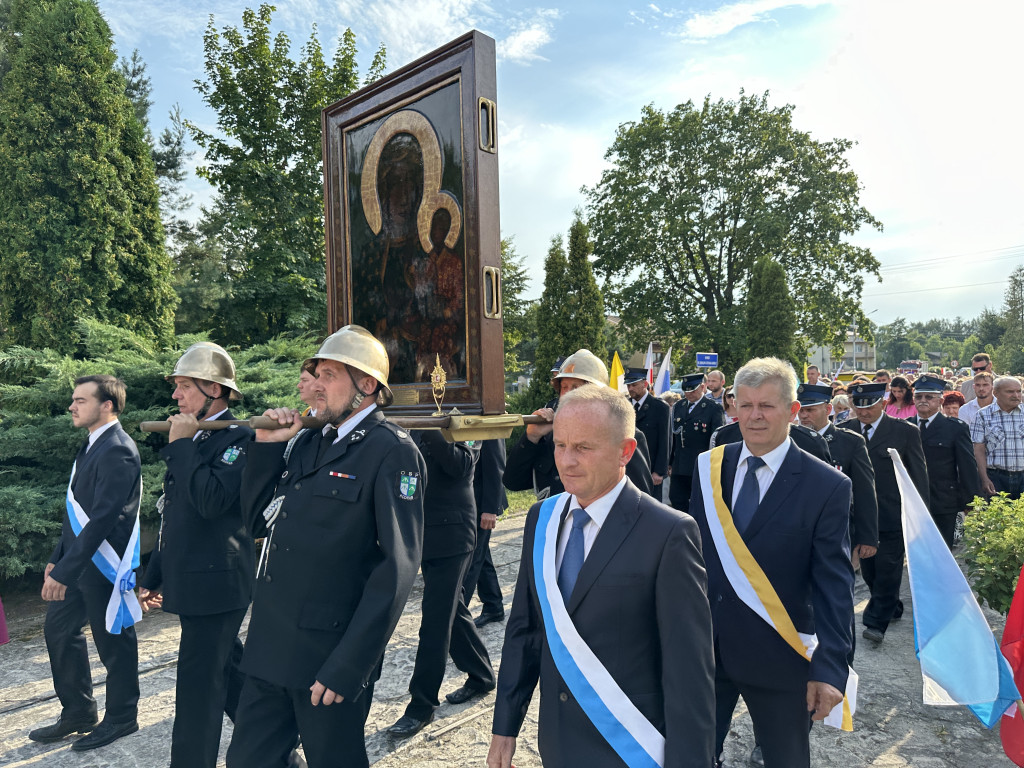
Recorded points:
(892, 727)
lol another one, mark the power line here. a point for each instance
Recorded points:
(999, 254)
(932, 290)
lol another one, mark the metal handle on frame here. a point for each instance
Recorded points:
(488, 125)
(492, 293)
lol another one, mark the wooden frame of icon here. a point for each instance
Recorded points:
(413, 241)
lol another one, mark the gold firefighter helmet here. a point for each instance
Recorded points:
(356, 347)
(584, 365)
(209, 362)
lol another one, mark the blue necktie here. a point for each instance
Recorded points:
(749, 497)
(572, 558)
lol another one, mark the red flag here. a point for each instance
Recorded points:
(1011, 726)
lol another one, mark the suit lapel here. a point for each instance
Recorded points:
(620, 521)
(880, 431)
(782, 486)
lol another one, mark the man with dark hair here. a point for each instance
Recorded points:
(981, 362)
(202, 568)
(813, 374)
(84, 577)
(715, 383)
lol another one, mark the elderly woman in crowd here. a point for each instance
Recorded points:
(951, 402)
(901, 399)
(840, 408)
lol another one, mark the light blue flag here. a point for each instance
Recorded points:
(960, 658)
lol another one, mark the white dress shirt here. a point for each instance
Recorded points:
(765, 474)
(95, 434)
(598, 512)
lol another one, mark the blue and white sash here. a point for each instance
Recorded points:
(623, 726)
(123, 608)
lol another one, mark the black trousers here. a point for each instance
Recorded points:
(946, 523)
(679, 492)
(86, 601)
(446, 628)
(481, 576)
(209, 684)
(883, 574)
(271, 719)
(781, 721)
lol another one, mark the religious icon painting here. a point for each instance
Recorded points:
(413, 252)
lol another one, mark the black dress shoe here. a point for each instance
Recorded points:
(486, 618)
(408, 726)
(874, 635)
(466, 693)
(65, 726)
(897, 614)
(104, 734)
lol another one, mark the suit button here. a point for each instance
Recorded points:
(336, 624)
(267, 578)
(365, 685)
(298, 486)
(334, 492)
(284, 515)
(273, 547)
(563, 696)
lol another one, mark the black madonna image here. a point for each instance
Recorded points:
(404, 195)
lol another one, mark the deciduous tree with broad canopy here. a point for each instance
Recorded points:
(696, 195)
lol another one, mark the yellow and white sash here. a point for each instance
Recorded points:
(750, 583)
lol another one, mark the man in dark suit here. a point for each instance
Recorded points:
(883, 573)
(652, 418)
(446, 625)
(531, 463)
(630, 586)
(952, 469)
(792, 513)
(105, 489)
(202, 568)
(491, 502)
(344, 517)
(849, 454)
(694, 419)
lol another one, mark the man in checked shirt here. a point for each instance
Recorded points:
(998, 437)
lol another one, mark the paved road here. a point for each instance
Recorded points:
(893, 727)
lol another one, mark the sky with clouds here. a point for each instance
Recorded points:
(929, 90)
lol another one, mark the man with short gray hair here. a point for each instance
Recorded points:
(765, 504)
(613, 558)
(998, 437)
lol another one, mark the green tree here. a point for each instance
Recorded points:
(80, 231)
(693, 198)
(5, 19)
(265, 161)
(581, 314)
(551, 339)
(991, 327)
(514, 306)
(771, 314)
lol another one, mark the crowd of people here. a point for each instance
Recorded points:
(683, 552)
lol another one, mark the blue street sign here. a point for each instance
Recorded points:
(707, 359)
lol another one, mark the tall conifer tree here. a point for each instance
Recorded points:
(582, 310)
(771, 314)
(551, 340)
(80, 232)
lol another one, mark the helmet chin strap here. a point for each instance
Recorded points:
(357, 400)
(206, 403)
